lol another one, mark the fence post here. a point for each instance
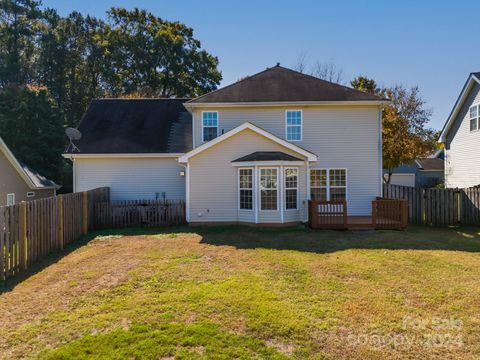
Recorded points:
(23, 236)
(85, 213)
(60, 220)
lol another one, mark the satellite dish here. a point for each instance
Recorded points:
(73, 134)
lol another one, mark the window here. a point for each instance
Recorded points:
(10, 199)
(291, 189)
(328, 184)
(294, 125)
(268, 189)
(245, 188)
(30, 194)
(474, 118)
(209, 125)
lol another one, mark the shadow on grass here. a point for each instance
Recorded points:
(298, 238)
(301, 238)
(50, 259)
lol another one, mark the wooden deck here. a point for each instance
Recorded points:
(359, 223)
(386, 214)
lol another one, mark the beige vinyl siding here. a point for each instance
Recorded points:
(131, 178)
(341, 136)
(214, 181)
(12, 183)
(462, 163)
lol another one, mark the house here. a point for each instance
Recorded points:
(461, 136)
(422, 173)
(18, 182)
(253, 152)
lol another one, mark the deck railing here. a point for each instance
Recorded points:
(389, 213)
(328, 214)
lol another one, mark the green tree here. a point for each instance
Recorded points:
(18, 28)
(71, 62)
(154, 57)
(31, 125)
(405, 132)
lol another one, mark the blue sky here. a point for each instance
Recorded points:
(432, 44)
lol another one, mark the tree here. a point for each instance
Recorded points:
(71, 62)
(153, 57)
(328, 71)
(18, 21)
(31, 125)
(365, 84)
(405, 132)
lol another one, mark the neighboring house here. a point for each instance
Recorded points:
(18, 182)
(255, 151)
(423, 173)
(461, 136)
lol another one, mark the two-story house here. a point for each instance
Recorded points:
(255, 151)
(461, 136)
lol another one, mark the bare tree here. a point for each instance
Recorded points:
(328, 71)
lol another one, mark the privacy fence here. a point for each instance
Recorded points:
(31, 230)
(438, 207)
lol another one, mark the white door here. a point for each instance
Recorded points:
(403, 179)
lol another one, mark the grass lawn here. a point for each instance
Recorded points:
(241, 292)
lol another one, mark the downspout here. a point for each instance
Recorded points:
(187, 192)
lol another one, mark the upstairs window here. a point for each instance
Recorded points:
(474, 122)
(209, 125)
(294, 125)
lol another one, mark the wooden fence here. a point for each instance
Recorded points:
(31, 230)
(328, 214)
(139, 213)
(438, 207)
(389, 214)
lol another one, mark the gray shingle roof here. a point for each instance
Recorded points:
(267, 156)
(279, 84)
(37, 179)
(431, 164)
(133, 126)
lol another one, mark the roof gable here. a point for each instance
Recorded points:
(279, 84)
(474, 78)
(310, 156)
(135, 126)
(32, 178)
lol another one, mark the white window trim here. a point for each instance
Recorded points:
(260, 188)
(328, 181)
(285, 187)
(252, 188)
(10, 196)
(477, 118)
(203, 127)
(301, 125)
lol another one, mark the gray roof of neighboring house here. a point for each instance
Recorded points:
(477, 74)
(267, 156)
(115, 126)
(36, 178)
(432, 164)
(279, 84)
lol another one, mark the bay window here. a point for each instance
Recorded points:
(245, 188)
(268, 189)
(291, 188)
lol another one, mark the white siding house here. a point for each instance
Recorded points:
(461, 136)
(252, 152)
